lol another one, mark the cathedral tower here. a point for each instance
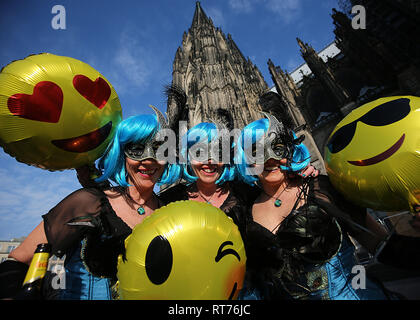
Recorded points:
(288, 91)
(219, 81)
(324, 74)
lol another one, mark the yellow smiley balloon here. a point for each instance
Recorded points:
(373, 154)
(186, 250)
(56, 112)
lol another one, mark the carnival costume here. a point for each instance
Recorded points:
(234, 205)
(310, 256)
(201, 143)
(91, 239)
(84, 226)
(90, 219)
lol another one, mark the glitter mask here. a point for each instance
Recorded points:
(214, 150)
(277, 143)
(143, 151)
(202, 152)
(149, 149)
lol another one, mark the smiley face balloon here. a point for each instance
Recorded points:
(186, 250)
(373, 154)
(56, 112)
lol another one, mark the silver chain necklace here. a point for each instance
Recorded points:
(207, 200)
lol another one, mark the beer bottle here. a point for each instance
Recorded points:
(31, 288)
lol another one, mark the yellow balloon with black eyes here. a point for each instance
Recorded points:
(186, 250)
(373, 154)
(56, 112)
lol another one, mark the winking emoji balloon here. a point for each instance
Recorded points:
(56, 112)
(373, 154)
(186, 250)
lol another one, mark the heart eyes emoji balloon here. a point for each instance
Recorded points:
(56, 112)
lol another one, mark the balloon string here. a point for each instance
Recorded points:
(390, 234)
(396, 215)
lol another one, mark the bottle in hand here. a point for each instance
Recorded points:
(31, 288)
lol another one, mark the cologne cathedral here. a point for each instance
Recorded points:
(219, 82)
(382, 59)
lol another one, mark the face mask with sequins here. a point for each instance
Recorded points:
(218, 149)
(277, 143)
(149, 149)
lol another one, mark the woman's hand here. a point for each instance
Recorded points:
(87, 175)
(309, 171)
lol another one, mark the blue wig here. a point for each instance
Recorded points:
(253, 132)
(134, 129)
(204, 131)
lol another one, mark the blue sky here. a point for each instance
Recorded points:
(133, 44)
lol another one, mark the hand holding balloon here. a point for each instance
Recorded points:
(87, 174)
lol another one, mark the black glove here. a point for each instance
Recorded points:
(12, 274)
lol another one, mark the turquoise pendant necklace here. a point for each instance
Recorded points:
(277, 202)
(141, 210)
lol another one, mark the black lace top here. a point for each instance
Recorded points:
(311, 234)
(87, 214)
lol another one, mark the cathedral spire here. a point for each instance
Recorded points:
(200, 17)
(220, 83)
(287, 91)
(321, 70)
(303, 47)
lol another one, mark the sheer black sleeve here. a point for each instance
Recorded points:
(79, 204)
(238, 203)
(345, 211)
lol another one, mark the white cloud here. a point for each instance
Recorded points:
(27, 192)
(287, 10)
(132, 63)
(241, 5)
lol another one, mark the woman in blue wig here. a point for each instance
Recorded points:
(297, 230)
(208, 172)
(89, 225)
(207, 177)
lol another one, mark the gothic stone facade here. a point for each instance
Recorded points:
(220, 83)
